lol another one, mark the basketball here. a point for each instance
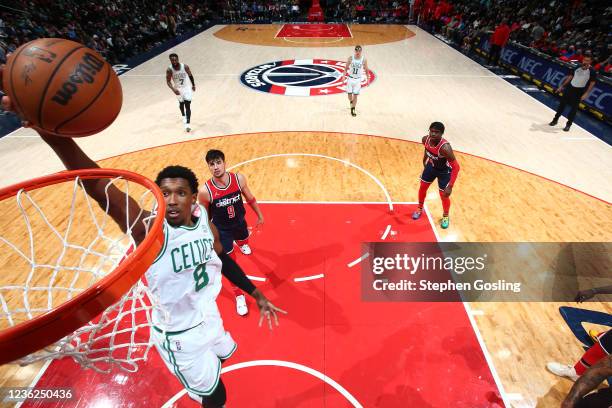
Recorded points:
(63, 87)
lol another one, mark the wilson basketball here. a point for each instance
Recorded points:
(62, 87)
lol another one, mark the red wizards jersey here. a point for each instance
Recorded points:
(433, 155)
(226, 206)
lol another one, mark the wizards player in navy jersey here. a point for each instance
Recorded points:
(222, 195)
(439, 162)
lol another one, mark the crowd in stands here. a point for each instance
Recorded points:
(117, 29)
(367, 11)
(563, 29)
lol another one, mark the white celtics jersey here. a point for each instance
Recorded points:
(185, 278)
(356, 67)
(180, 77)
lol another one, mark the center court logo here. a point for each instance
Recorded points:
(310, 77)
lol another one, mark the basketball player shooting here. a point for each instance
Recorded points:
(440, 163)
(354, 67)
(180, 80)
(188, 330)
(222, 194)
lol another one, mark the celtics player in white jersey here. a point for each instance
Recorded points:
(180, 80)
(185, 278)
(355, 66)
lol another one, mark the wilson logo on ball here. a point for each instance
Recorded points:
(310, 77)
(84, 72)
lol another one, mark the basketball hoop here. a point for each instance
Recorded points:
(96, 270)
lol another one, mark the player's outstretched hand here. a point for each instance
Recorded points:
(584, 295)
(266, 309)
(448, 191)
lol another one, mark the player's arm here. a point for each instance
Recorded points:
(204, 197)
(588, 381)
(250, 198)
(589, 293)
(101, 190)
(365, 66)
(348, 64)
(190, 77)
(169, 81)
(447, 151)
(232, 271)
(424, 151)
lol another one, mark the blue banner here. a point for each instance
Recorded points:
(548, 73)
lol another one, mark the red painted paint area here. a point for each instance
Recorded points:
(384, 355)
(315, 31)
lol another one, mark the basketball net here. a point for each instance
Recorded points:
(59, 256)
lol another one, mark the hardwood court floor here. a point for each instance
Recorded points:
(419, 80)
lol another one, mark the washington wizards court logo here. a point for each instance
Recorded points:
(300, 77)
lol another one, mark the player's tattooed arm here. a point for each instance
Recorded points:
(588, 382)
(169, 81)
(190, 77)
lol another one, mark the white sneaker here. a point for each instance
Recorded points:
(187, 127)
(562, 370)
(184, 119)
(195, 397)
(241, 306)
(245, 249)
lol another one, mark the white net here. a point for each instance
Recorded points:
(57, 242)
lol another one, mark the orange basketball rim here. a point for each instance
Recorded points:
(47, 328)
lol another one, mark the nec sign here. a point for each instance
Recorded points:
(552, 73)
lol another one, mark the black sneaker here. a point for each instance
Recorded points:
(567, 128)
(553, 123)
(353, 112)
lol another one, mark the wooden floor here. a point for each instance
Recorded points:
(520, 180)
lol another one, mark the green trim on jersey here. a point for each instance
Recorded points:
(182, 379)
(197, 223)
(228, 355)
(161, 252)
(174, 333)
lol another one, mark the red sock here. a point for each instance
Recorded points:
(241, 242)
(445, 203)
(590, 357)
(423, 192)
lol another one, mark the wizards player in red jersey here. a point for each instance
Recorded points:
(222, 196)
(439, 162)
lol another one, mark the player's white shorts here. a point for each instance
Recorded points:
(193, 355)
(185, 94)
(353, 85)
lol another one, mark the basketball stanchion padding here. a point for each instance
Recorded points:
(102, 325)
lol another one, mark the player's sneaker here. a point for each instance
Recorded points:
(417, 214)
(562, 370)
(187, 127)
(245, 249)
(353, 112)
(444, 223)
(241, 306)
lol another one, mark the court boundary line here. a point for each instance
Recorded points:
(507, 83)
(318, 132)
(279, 363)
(36, 379)
(475, 328)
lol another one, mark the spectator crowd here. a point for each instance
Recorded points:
(563, 29)
(119, 29)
